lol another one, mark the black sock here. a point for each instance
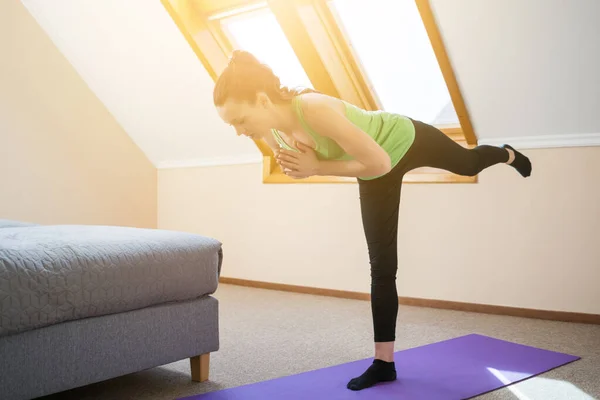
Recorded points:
(379, 371)
(520, 163)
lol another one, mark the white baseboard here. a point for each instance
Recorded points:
(211, 162)
(547, 141)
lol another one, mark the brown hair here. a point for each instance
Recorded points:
(245, 76)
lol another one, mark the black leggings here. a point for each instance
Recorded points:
(380, 201)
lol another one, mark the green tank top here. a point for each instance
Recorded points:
(393, 132)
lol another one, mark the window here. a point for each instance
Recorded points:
(378, 54)
(394, 51)
(259, 33)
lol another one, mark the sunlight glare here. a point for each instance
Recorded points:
(539, 388)
(259, 33)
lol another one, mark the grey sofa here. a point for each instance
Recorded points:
(82, 303)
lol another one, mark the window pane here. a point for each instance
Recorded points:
(392, 45)
(259, 33)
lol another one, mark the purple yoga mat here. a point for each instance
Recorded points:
(454, 369)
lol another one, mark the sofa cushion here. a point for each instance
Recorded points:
(9, 223)
(51, 274)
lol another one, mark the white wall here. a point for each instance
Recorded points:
(63, 157)
(507, 241)
(135, 59)
(526, 68)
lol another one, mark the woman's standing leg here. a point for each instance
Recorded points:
(380, 201)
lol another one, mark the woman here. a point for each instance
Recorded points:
(314, 134)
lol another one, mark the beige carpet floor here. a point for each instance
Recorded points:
(267, 334)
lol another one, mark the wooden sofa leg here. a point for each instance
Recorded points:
(199, 366)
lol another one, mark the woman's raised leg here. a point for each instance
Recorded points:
(432, 148)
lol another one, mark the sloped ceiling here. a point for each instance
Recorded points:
(528, 71)
(133, 56)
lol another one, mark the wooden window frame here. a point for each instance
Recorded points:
(324, 52)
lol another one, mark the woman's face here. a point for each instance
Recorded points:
(252, 120)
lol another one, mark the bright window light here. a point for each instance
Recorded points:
(259, 33)
(392, 45)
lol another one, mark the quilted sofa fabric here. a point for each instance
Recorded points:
(51, 274)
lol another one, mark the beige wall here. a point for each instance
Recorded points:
(508, 241)
(63, 158)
